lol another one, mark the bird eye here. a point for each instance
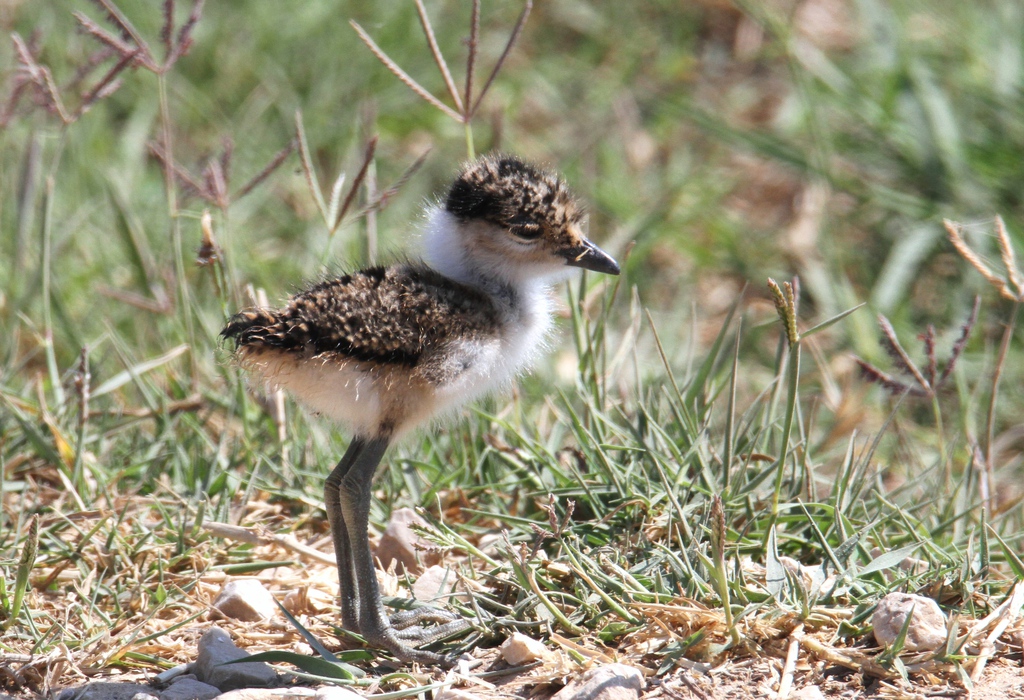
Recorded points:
(526, 230)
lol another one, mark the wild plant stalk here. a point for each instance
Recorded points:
(730, 415)
(210, 255)
(924, 385)
(720, 573)
(1010, 287)
(339, 204)
(212, 184)
(785, 299)
(177, 245)
(466, 105)
(45, 265)
(50, 96)
(928, 382)
(82, 385)
(997, 373)
(130, 43)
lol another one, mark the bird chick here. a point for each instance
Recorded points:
(387, 349)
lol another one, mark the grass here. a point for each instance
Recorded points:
(694, 433)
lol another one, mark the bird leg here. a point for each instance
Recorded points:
(350, 503)
(339, 533)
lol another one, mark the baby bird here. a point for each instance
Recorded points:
(387, 349)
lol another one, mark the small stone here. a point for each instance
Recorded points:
(141, 696)
(259, 694)
(434, 585)
(306, 601)
(608, 682)
(105, 691)
(189, 688)
(811, 577)
(215, 649)
(246, 599)
(927, 629)
(166, 677)
(808, 692)
(399, 541)
(450, 693)
(520, 649)
(293, 693)
(336, 692)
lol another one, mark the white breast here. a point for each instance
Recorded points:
(496, 363)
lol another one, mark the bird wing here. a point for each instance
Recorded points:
(394, 315)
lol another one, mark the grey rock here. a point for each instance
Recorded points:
(608, 682)
(927, 629)
(246, 599)
(105, 691)
(808, 692)
(189, 688)
(144, 696)
(398, 543)
(215, 649)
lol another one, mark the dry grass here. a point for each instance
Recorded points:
(681, 635)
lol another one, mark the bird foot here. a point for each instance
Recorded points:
(402, 643)
(420, 636)
(402, 619)
(407, 632)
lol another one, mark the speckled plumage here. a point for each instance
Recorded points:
(515, 196)
(399, 315)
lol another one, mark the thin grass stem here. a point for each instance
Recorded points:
(730, 414)
(46, 264)
(940, 443)
(402, 75)
(516, 31)
(474, 35)
(435, 51)
(312, 182)
(470, 149)
(180, 274)
(371, 149)
(990, 416)
(29, 550)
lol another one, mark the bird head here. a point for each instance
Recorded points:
(515, 221)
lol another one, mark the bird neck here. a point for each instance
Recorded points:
(445, 251)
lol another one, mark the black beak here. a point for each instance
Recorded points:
(590, 257)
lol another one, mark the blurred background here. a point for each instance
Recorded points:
(717, 144)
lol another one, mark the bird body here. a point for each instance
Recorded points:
(387, 349)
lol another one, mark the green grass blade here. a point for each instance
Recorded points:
(828, 322)
(309, 664)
